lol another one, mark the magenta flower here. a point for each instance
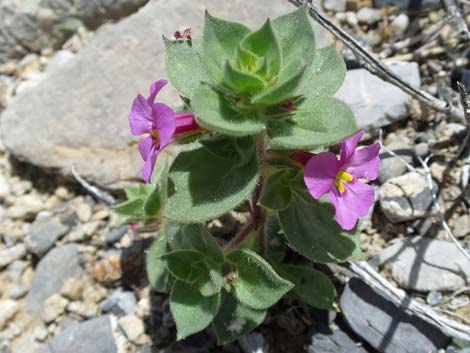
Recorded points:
(161, 122)
(340, 179)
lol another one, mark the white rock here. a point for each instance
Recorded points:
(132, 326)
(8, 309)
(4, 187)
(8, 255)
(54, 306)
(26, 206)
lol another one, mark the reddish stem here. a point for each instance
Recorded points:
(238, 239)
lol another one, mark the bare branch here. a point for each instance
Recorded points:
(374, 66)
(99, 194)
(399, 297)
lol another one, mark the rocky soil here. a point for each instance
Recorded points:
(72, 280)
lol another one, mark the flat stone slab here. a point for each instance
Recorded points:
(77, 114)
(425, 264)
(385, 326)
(377, 103)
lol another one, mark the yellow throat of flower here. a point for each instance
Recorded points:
(156, 138)
(341, 178)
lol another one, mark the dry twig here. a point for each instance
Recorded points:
(99, 194)
(374, 66)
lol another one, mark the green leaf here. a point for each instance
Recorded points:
(205, 186)
(235, 319)
(311, 285)
(186, 265)
(138, 192)
(154, 203)
(256, 284)
(220, 40)
(184, 66)
(318, 121)
(240, 81)
(296, 36)
(276, 193)
(263, 44)
(191, 311)
(130, 208)
(212, 281)
(325, 75)
(311, 229)
(197, 237)
(214, 112)
(285, 86)
(158, 275)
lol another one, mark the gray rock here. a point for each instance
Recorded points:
(8, 255)
(405, 198)
(377, 103)
(92, 336)
(43, 234)
(422, 149)
(385, 326)
(425, 264)
(337, 342)
(120, 303)
(391, 166)
(29, 26)
(411, 5)
(52, 271)
(49, 127)
(116, 234)
(253, 343)
(434, 298)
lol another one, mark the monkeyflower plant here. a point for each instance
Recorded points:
(255, 128)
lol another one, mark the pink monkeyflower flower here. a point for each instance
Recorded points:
(340, 179)
(162, 124)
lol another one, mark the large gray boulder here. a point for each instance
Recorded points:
(29, 26)
(77, 115)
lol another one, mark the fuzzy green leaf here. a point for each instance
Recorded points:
(196, 237)
(212, 281)
(220, 40)
(318, 121)
(184, 66)
(263, 44)
(296, 36)
(130, 208)
(240, 81)
(276, 193)
(204, 186)
(191, 311)
(311, 285)
(186, 265)
(215, 112)
(158, 275)
(235, 319)
(285, 86)
(311, 229)
(256, 284)
(325, 75)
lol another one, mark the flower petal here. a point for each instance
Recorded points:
(154, 89)
(140, 116)
(349, 145)
(320, 173)
(145, 146)
(352, 204)
(149, 164)
(364, 163)
(165, 122)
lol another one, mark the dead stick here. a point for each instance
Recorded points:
(376, 67)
